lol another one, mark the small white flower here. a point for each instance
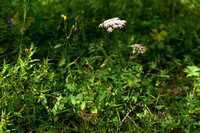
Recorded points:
(109, 29)
(113, 23)
(139, 48)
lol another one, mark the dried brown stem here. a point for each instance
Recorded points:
(127, 115)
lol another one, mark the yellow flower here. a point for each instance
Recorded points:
(157, 83)
(191, 111)
(26, 50)
(64, 17)
(72, 26)
(140, 68)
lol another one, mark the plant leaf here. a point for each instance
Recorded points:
(192, 71)
(57, 46)
(62, 62)
(94, 110)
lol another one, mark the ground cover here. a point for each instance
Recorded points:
(99, 66)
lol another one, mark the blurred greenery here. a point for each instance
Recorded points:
(61, 72)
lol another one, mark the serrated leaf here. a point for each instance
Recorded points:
(58, 106)
(192, 71)
(57, 46)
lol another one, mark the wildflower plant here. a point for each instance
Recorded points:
(112, 24)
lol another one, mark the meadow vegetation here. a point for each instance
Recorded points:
(100, 66)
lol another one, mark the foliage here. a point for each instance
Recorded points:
(61, 72)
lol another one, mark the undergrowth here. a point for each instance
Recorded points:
(99, 66)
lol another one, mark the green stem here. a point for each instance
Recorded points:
(119, 53)
(118, 49)
(66, 46)
(23, 26)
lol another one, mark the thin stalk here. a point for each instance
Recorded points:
(119, 54)
(66, 45)
(23, 26)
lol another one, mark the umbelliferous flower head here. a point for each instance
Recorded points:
(113, 23)
(139, 48)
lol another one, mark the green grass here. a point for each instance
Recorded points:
(70, 75)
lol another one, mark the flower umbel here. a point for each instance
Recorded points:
(137, 47)
(113, 23)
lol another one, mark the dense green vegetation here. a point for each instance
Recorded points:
(61, 71)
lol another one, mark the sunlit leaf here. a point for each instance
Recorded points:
(94, 110)
(192, 71)
(62, 62)
(57, 46)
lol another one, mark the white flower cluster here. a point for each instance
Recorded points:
(139, 48)
(113, 23)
